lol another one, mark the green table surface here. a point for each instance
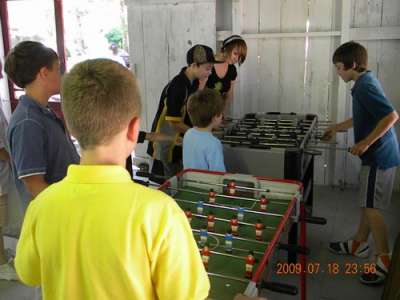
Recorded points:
(223, 264)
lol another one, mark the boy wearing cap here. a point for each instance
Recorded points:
(171, 117)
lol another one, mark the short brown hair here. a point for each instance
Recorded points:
(26, 59)
(99, 98)
(204, 105)
(232, 42)
(350, 53)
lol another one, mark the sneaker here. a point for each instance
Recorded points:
(7, 272)
(350, 247)
(379, 276)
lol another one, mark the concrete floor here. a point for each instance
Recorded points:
(341, 211)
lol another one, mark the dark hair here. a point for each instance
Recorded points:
(204, 105)
(26, 59)
(351, 53)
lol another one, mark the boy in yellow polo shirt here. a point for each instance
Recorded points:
(96, 234)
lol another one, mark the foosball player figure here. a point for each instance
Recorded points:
(240, 213)
(203, 236)
(200, 207)
(212, 196)
(205, 255)
(234, 225)
(228, 241)
(232, 187)
(263, 203)
(259, 230)
(189, 215)
(211, 221)
(250, 261)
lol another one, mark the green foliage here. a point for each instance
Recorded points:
(115, 37)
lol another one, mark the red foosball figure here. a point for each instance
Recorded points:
(232, 187)
(250, 261)
(234, 225)
(259, 229)
(263, 203)
(205, 256)
(210, 221)
(189, 215)
(212, 196)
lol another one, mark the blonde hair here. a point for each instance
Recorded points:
(99, 98)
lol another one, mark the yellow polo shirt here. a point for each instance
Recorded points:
(97, 235)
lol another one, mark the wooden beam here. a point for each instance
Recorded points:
(175, 2)
(375, 33)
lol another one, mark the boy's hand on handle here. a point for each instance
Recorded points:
(329, 133)
(359, 148)
(243, 297)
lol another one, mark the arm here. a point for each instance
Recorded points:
(175, 107)
(330, 132)
(4, 155)
(179, 127)
(243, 297)
(381, 128)
(27, 145)
(35, 184)
(229, 95)
(161, 137)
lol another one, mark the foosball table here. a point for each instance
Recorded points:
(239, 222)
(272, 144)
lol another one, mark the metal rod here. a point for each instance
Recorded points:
(235, 238)
(228, 277)
(240, 223)
(329, 148)
(277, 191)
(231, 207)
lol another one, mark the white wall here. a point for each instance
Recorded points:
(4, 95)
(287, 71)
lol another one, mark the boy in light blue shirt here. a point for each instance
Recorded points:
(201, 150)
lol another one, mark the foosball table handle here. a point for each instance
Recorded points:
(279, 287)
(315, 220)
(295, 249)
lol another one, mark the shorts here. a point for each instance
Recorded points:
(376, 186)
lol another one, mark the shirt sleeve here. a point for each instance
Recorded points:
(179, 273)
(175, 101)
(27, 260)
(215, 158)
(375, 101)
(28, 148)
(232, 72)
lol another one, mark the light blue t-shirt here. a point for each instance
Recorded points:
(201, 150)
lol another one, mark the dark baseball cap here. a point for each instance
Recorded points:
(201, 54)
